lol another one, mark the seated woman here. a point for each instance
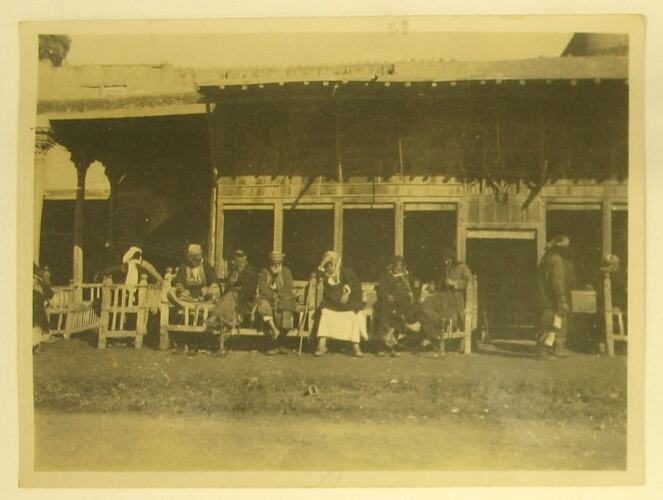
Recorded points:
(396, 308)
(341, 316)
(276, 303)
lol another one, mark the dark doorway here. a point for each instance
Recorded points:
(251, 231)
(506, 274)
(306, 235)
(426, 233)
(368, 240)
(584, 227)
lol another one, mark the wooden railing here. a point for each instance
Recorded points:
(71, 309)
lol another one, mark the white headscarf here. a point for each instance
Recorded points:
(132, 263)
(333, 257)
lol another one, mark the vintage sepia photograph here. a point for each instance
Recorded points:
(346, 245)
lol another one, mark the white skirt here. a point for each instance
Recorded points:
(345, 325)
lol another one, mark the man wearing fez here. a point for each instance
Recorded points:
(276, 303)
(195, 275)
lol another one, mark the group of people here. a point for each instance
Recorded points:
(406, 309)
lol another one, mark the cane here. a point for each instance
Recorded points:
(301, 322)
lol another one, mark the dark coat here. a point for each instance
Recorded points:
(555, 277)
(283, 297)
(331, 295)
(395, 306)
(209, 278)
(244, 284)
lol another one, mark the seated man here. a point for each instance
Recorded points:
(242, 279)
(276, 303)
(194, 276)
(239, 299)
(445, 309)
(395, 310)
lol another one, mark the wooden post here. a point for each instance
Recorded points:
(607, 227)
(218, 247)
(470, 297)
(112, 207)
(461, 217)
(607, 301)
(164, 337)
(399, 216)
(141, 315)
(104, 318)
(338, 227)
(278, 226)
(79, 221)
(214, 175)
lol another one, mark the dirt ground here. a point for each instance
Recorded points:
(500, 408)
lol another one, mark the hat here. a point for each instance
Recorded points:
(561, 240)
(276, 256)
(194, 249)
(239, 254)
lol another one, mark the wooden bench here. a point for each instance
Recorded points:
(125, 310)
(71, 309)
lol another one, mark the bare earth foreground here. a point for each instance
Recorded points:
(123, 409)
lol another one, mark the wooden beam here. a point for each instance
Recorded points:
(278, 226)
(399, 222)
(461, 218)
(214, 172)
(338, 227)
(218, 248)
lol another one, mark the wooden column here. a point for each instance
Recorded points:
(214, 175)
(338, 227)
(79, 220)
(278, 226)
(218, 247)
(114, 181)
(607, 227)
(461, 218)
(399, 214)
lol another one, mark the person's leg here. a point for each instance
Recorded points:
(356, 350)
(285, 320)
(545, 326)
(322, 346)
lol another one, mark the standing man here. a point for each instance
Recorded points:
(453, 281)
(554, 284)
(276, 303)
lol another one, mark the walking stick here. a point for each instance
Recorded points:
(302, 320)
